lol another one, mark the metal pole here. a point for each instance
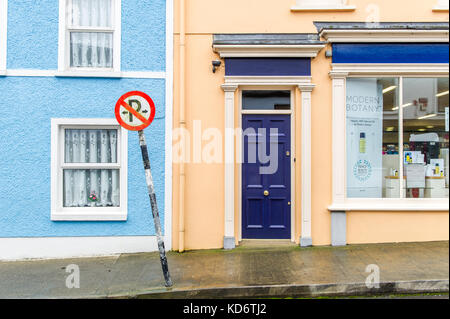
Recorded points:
(152, 195)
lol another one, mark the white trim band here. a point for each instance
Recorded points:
(389, 69)
(71, 247)
(343, 8)
(104, 74)
(278, 51)
(268, 80)
(372, 35)
(440, 8)
(168, 203)
(392, 205)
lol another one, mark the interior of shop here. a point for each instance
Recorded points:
(415, 115)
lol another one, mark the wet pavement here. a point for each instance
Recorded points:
(243, 272)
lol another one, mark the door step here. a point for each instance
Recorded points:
(263, 243)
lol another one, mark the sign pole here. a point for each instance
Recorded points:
(137, 119)
(152, 195)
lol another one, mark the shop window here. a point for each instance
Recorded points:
(90, 163)
(425, 137)
(397, 138)
(90, 35)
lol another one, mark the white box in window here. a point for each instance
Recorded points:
(393, 187)
(435, 187)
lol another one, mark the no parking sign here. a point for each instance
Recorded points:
(135, 111)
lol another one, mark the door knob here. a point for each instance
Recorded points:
(266, 193)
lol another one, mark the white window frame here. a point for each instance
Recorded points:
(339, 75)
(64, 68)
(3, 34)
(60, 213)
(338, 5)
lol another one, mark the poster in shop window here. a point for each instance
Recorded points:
(364, 130)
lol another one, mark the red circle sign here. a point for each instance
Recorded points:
(135, 111)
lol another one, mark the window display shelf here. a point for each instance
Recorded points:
(434, 187)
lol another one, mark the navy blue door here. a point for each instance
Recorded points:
(266, 195)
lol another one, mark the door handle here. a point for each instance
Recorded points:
(266, 193)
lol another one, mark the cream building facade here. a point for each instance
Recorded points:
(358, 93)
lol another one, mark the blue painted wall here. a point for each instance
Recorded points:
(390, 53)
(143, 35)
(29, 103)
(33, 35)
(267, 66)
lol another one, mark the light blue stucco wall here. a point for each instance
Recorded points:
(29, 103)
(33, 35)
(143, 35)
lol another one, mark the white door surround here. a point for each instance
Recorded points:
(233, 83)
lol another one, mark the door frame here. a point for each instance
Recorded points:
(303, 87)
(239, 142)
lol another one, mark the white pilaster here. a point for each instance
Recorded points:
(229, 239)
(306, 239)
(338, 136)
(338, 218)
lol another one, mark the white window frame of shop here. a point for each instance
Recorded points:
(3, 34)
(60, 213)
(441, 5)
(64, 68)
(339, 74)
(322, 5)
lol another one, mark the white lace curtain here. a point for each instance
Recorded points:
(91, 187)
(91, 49)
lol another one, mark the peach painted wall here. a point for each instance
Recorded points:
(204, 209)
(386, 227)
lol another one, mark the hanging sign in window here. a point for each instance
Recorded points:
(415, 176)
(446, 119)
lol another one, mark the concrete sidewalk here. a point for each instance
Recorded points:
(285, 271)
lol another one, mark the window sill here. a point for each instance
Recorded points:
(2, 72)
(440, 9)
(89, 74)
(91, 216)
(331, 8)
(392, 205)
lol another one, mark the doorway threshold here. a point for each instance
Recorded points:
(266, 243)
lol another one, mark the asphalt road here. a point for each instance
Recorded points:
(415, 296)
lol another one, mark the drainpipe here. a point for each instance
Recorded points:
(182, 123)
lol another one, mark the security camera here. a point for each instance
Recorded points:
(216, 64)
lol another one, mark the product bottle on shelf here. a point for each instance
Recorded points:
(362, 143)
